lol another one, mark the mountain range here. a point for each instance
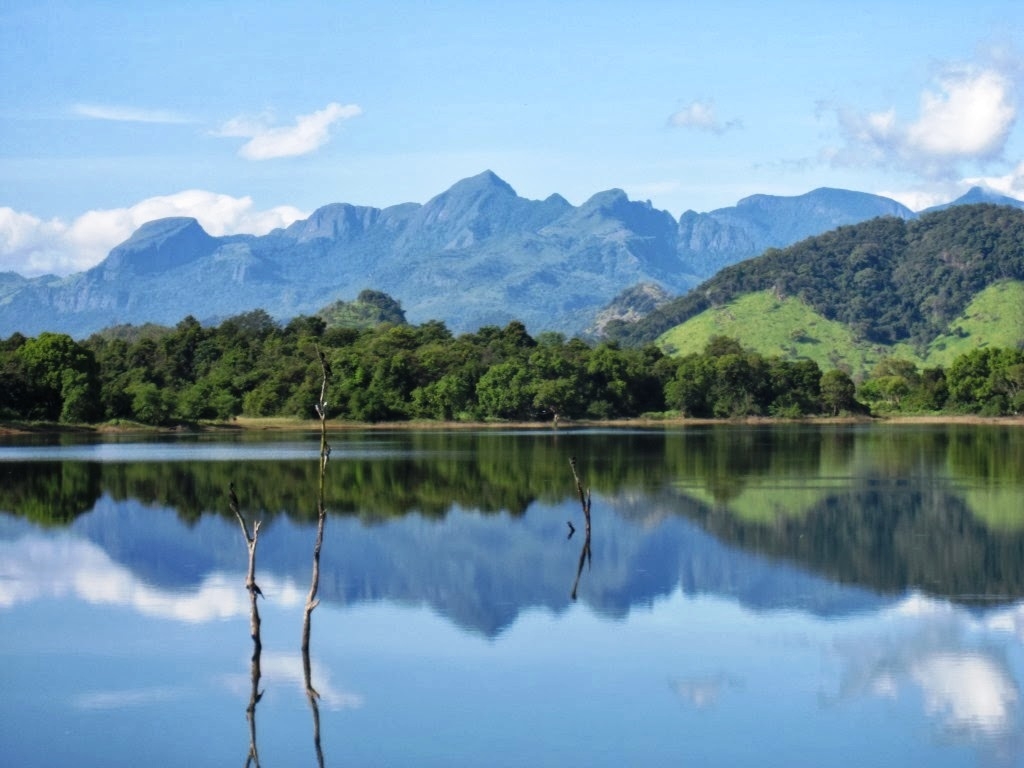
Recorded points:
(474, 255)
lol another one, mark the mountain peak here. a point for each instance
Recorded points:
(470, 210)
(615, 204)
(334, 221)
(160, 245)
(163, 229)
(978, 194)
(485, 182)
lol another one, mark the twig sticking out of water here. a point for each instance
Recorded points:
(321, 511)
(584, 496)
(321, 516)
(585, 553)
(251, 540)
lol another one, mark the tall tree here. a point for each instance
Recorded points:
(63, 378)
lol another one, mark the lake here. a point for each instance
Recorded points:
(788, 595)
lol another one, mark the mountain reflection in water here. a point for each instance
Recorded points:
(864, 574)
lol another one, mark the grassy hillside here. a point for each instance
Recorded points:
(994, 318)
(784, 327)
(889, 281)
(791, 329)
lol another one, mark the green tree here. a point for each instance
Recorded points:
(795, 387)
(931, 391)
(63, 378)
(740, 385)
(891, 381)
(448, 398)
(838, 392)
(968, 379)
(506, 391)
(150, 405)
(689, 391)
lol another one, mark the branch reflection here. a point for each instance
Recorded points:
(311, 600)
(251, 540)
(585, 553)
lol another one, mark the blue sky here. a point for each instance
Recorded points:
(250, 115)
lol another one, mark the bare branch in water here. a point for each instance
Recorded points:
(321, 511)
(311, 599)
(251, 540)
(584, 497)
(585, 553)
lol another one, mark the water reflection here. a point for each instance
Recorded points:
(704, 692)
(885, 510)
(852, 576)
(960, 668)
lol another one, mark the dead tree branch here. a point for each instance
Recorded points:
(251, 540)
(311, 599)
(585, 553)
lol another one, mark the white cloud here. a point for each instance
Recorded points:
(970, 116)
(128, 114)
(919, 199)
(309, 133)
(32, 246)
(966, 117)
(1010, 184)
(943, 191)
(701, 115)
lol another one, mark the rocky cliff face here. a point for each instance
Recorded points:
(630, 306)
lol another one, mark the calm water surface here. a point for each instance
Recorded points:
(782, 596)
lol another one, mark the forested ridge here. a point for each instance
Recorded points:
(888, 279)
(249, 365)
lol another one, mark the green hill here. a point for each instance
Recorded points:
(369, 309)
(919, 288)
(791, 329)
(785, 327)
(995, 318)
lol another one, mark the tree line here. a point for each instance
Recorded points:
(250, 365)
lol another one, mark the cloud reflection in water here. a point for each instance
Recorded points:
(35, 567)
(955, 661)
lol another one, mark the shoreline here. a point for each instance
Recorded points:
(284, 424)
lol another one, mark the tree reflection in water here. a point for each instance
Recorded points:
(251, 540)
